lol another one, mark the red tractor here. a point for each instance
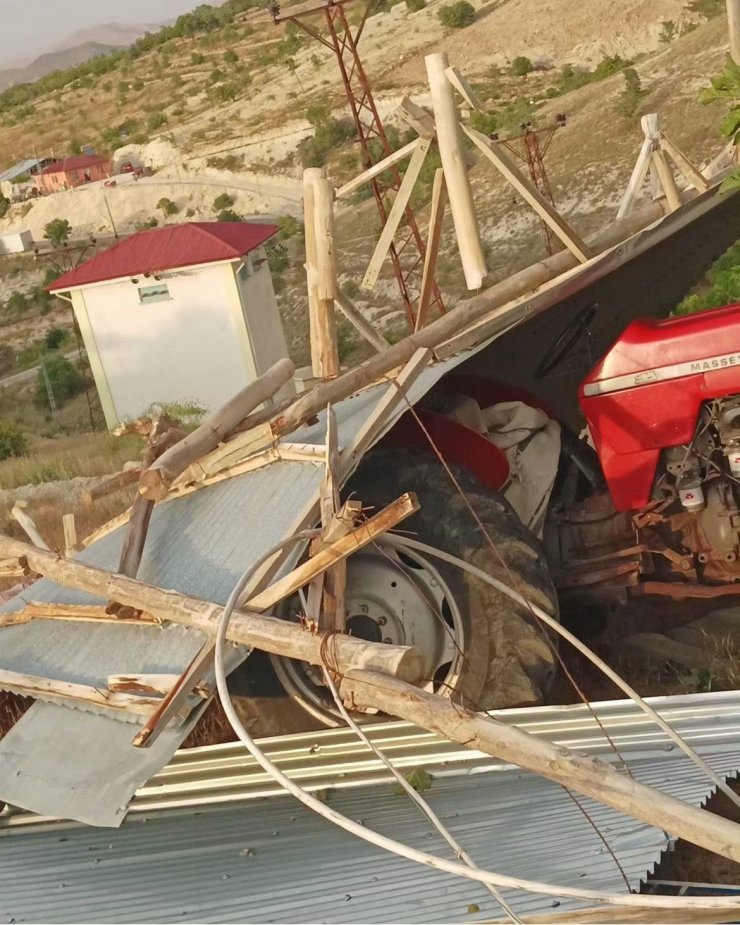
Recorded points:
(643, 501)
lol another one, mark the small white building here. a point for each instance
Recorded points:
(16, 242)
(184, 312)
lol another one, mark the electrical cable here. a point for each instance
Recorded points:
(389, 844)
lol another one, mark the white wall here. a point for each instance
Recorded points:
(15, 242)
(193, 346)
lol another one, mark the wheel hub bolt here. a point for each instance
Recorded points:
(363, 608)
(387, 640)
(382, 621)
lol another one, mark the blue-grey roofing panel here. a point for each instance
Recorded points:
(17, 170)
(274, 861)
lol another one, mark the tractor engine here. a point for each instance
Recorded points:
(663, 414)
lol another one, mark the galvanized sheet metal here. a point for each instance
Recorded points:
(274, 861)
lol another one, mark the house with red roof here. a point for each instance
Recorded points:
(71, 172)
(183, 312)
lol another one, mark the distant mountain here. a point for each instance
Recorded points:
(76, 48)
(53, 61)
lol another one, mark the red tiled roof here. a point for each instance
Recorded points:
(76, 162)
(183, 245)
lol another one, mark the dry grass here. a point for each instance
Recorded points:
(67, 458)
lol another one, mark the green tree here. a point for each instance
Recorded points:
(414, 5)
(12, 440)
(57, 231)
(228, 215)
(230, 56)
(138, 84)
(224, 92)
(632, 92)
(55, 337)
(17, 303)
(725, 87)
(197, 58)
(223, 201)
(75, 146)
(167, 207)
(64, 380)
(521, 66)
(457, 15)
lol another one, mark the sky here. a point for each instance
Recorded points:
(33, 26)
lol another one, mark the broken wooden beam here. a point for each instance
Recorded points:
(115, 483)
(246, 628)
(358, 321)
(367, 175)
(434, 236)
(27, 685)
(416, 117)
(588, 776)
(85, 613)
(27, 524)
(156, 480)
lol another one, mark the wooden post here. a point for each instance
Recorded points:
(733, 25)
(529, 192)
(667, 180)
(367, 175)
(355, 317)
(588, 776)
(691, 172)
(637, 178)
(312, 272)
(29, 527)
(451, 150)
(70, 534)
(416, 117)
(396, 214)
(326, 280)
(247, 627)
(436, 217)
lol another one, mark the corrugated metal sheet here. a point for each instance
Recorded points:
(17, 170)
(184, 245)
(273, 861)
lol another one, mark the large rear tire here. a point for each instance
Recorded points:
(509, 659)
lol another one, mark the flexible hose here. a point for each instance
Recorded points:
(381, 841)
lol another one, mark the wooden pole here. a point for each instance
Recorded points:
(449, 139)
(326, 280)
(667, 180)
(436, 217)
(367, 175)
(733, 25)
(312, 272)
(529, 193)
(29, 527)
(358, 321)
(637, 178)
(588, 776)
(156, 480)
(690, 171)
(246, 628)
(396, 214)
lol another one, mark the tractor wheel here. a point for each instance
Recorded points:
(480, 648)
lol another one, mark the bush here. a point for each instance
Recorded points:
(611, 64)
(55, 337)
(197, 58)
(721, 286)
(414, 5)
(156, 120)
(167, 207)
(632, 93)
(289, 227)
(17, 303)
(57, 231)
(138, 84)
(65, 381)
(4, 206)
(329, 134)
(12, 440)
(521, 66)
(228, 215)
(485, 122)
(230, 56)
(457, 15)
(223, 201)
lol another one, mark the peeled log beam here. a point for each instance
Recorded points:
(588, 776)
(249, 629)
(156, 480)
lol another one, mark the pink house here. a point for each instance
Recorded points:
(72, 171)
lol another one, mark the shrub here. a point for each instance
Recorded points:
(485, 122)
(277, 257)
(225, 92)
(64, 380)
(668, 31)
(228, 215)
(289, 227)
(167, 207)
(329, 133)
(631, 94)
(55, 337)
(521, 66)
(197, 58)
(156, 120)
(414, 5)
(17, 303)
(609, 65)
(4, 206)
(457, 15)
(57, 231)
(351, 289)
(138, 84)
(230, 56)
(223, 201)
(12, 440)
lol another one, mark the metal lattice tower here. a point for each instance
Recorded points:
(408, 249)
(535, 143)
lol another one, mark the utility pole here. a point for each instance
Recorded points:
(733, 24)
(110, 216)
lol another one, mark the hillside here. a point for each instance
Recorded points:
(57, 60)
